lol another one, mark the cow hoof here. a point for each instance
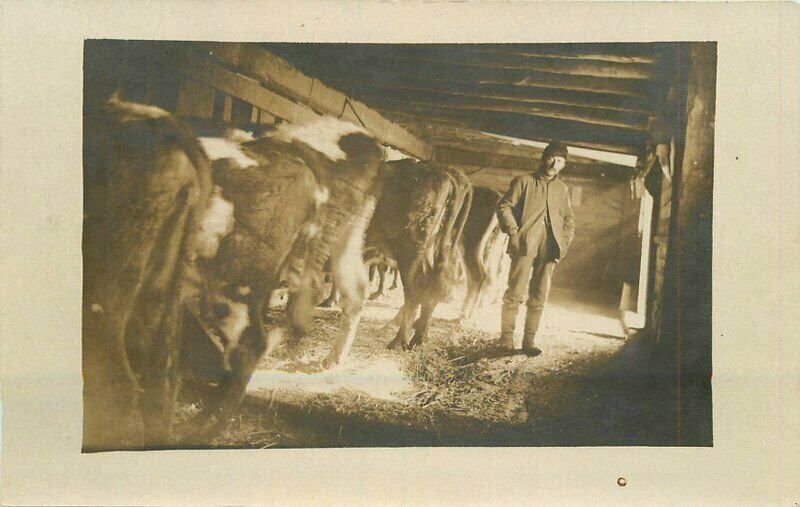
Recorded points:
(416, 341)
(330, 362)
(328, 303)
(204, 429)
(375, 296)
(396, 344)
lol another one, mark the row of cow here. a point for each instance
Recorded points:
(186, 237)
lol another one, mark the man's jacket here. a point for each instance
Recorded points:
(526, 204)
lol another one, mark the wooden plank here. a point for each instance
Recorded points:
(541, 129)
(227, 108)
(518, 94)
(555, 65)
(266, 117)
(631, 121)
(342, 66)
(560, 52)
(516, 76)
(245, 88)
(692, 243)
(274, 72)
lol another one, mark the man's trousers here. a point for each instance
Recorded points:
(531, 274)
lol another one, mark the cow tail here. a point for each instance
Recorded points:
(486, 243)
(433, 245)
(460, 206)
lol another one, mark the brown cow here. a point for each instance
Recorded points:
(482, 246)
(286, 203)
(419, 219)
(145, 181)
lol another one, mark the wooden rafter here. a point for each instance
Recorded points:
(530, 62)
(511, 93)
(421, 103)
(339, 67)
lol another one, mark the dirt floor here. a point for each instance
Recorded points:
(590, 386)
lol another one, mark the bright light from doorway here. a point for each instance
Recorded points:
(602, 156)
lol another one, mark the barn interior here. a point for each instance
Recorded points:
(627, 345)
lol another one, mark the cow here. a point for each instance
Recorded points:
(419, 221)
(377, 262)
(482, 247)
(380, 263)
(146, 180)
(284, 205)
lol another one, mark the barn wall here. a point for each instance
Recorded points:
(593, 261)
(606, 248)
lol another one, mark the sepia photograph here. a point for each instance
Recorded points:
(382, 245)
(399, 253)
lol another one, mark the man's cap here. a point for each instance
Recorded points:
(555, 149)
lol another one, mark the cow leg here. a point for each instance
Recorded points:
(160, 382)
(422, 324)
(110, 385)
(352, 282)
(471, 300)
(406, 317)
(332, 298)
(396, 320)
(351, 278)
(394, 280)
(381, 281)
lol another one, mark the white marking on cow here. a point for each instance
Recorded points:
(322, 134)
(239, 135)
(215, 223)
(97, 308)
(274, 339)
(131, 111)
(234, 324)
(311, 230)
(351, 278)
(218, 148)
(244, 290)
(321, 195)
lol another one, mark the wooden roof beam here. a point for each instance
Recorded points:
(577, 67)
(631, 121)
(345, 73)
(542, 131)
(513, 93)
(647, 52)
(243, 61)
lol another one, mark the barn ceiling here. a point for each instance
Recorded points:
(598, 96)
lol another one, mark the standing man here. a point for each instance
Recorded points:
(537, 215)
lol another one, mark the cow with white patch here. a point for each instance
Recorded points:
(299, 196)
(419, 219)
(482, 247)
(146, 179)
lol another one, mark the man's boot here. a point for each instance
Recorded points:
(528, 347)
(508, 321)
(532, 318)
